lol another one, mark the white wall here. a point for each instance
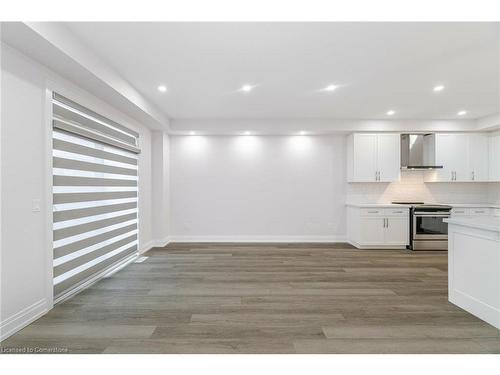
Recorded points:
(282, 188)
(161, 187)
(23, 258)
(26, 254)
(257, 187)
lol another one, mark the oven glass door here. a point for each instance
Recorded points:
(429, 226)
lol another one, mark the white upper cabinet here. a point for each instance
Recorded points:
(494, 153)
(373, 157)
(364, 160)
(464, 158)
(451, 153)
(388, 157)
(478, 157)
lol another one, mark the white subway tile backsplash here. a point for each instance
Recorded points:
(494, 192)
(413, 188)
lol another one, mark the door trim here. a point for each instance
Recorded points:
(49, 288)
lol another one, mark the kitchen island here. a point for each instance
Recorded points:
(474, 266)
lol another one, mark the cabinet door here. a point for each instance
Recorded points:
(451, 153)
(494, 162)
(389, 157)
(444, 157)
(460, 152)
(371, 231)
(478, 157)
(397, 231)
(480, 211)
(364, 157)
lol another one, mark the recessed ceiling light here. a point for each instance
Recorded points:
(192, 132)
(246, 88)
(330, 88)
(390, 112)
(302, 132)
(162, 88)
(462, 113)
(438, 88)
(246, 133)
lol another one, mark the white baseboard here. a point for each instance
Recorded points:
(369, 247)
(146, 247)
(353, 243)
(161, 243)
(260, 239)
(154, 243)
(21, 319)
(490, 314)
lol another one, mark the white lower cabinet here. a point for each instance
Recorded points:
(471, 211)
(372, 233)
(378, 228)
(396, 231)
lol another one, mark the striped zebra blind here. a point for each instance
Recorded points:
(95, 195)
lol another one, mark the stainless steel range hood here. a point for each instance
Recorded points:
(418, 151)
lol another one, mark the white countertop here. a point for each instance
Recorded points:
(377, 205)
(472, 205)
(391, 205)
(489, 223)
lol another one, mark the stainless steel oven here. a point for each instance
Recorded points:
(428, 229)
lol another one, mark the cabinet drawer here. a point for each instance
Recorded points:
(371, 211)
(403, 212)
(479, 211)
(460, 212)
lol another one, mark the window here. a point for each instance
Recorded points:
(95, 195)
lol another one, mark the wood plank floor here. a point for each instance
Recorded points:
(266, 298)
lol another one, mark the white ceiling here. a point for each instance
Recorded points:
(378, 66)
